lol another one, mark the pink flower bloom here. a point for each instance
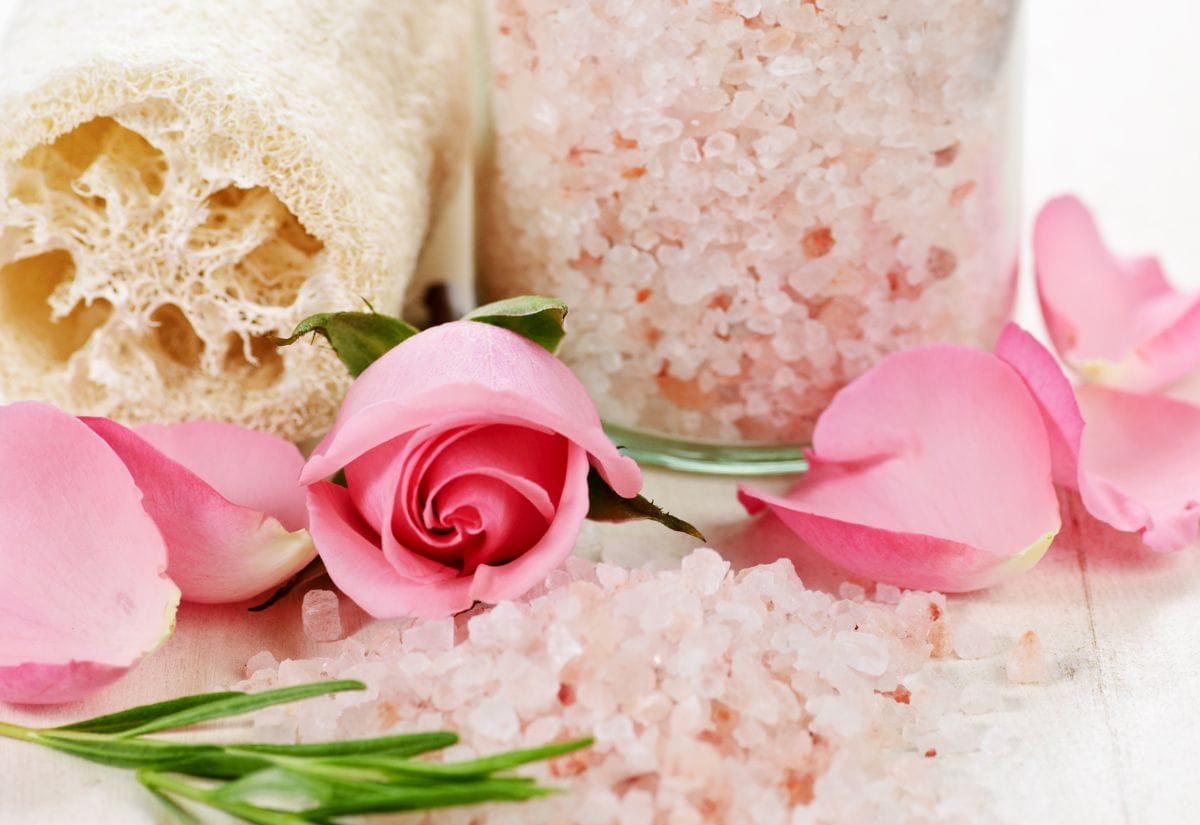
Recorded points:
(466, 451)
(1133, 461)
(931, 471)
(226, 499)
(1115, 320)
(83, 595)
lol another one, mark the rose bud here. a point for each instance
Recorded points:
(466, 452)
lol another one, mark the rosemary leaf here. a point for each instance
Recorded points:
(404, 745)
(126, 719)
(239, 704)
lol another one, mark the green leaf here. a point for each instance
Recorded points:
(401, 746)
(129, 753)
(240, 703)
(606, 505)
(358, 338)
(162, 784)
(537, 318)
(182, 814)
(270, 784)
(385, 799)
(476, 769)
(126, 719)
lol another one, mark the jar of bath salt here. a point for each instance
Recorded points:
(748, 203)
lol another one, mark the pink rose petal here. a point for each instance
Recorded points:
(1134, 462)
(930, 471)
(484, 374)
(83, 595)
(350, 551)
(247, 467)
(1055, 397)
(1115, 320)
(1140, 471)
(221, 549)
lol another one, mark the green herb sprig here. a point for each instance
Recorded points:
(271, 784)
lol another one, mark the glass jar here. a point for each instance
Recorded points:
(748, 203)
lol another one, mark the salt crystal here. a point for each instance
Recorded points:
(561, 645)
(865, 653)
(1027, 662)
(719, 144)
(637, 808)
(321, 615)
(852, 592)
(494, 718)
(704, 571)
(749, 673)
(748, 8)
(789, 66)
(263, 660)
(973, 641)
(835, 716)
(431, 636)
(979, 697)
(611, 576)
(887, 594)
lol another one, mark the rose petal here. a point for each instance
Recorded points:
(82, 591)
(466, 373)
(1054, 394)
(252, 469)
(932, 470)
(506, 480)
(1134, 460)
(350, 550)
(1139, 462)
(375, 481)
(1116, 320)
(496, 583)
(220, 552)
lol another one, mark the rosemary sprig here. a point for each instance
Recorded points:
(269, 784)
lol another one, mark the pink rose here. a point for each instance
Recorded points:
(466, 452)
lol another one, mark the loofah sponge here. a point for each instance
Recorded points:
(181, 181)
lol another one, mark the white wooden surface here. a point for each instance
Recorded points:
(1112, 738)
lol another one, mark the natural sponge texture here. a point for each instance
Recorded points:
(181, 181)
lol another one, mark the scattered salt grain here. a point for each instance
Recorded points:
(433, 636)
(979, 697)
(696, 712)
(321, 615)
(852, 592)
(973, 641)
(863, 652)
(1027, 662)
(263, 660)
(494, 718)
(887, 594)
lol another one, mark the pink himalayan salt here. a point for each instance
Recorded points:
(746, 698)
(1027, 662)
(727, 192)
(263, 660)
(322, 616)
(973, 641)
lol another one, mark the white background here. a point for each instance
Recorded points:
(1112, 113)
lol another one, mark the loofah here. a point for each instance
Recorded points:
(181, 181)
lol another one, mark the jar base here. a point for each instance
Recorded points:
(708, 457)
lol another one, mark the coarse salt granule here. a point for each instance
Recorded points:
(712, 696)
